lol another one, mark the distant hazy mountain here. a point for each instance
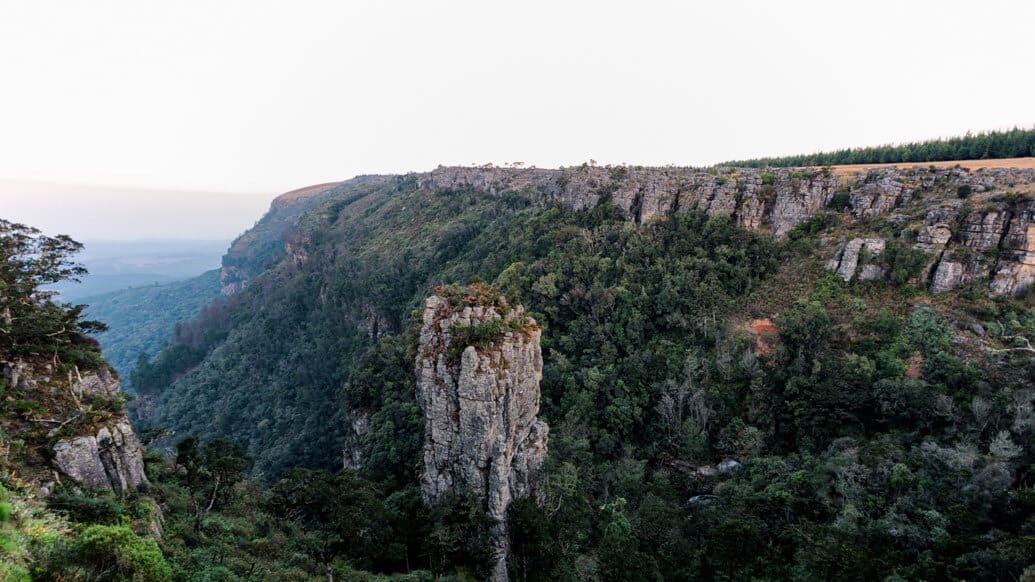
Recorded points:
(115, 265)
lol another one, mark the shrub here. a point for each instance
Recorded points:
(840, 200)
(964, 191)
(903, 262)
(14, 573)
(92, 510)
(927, 331)
(482, 336)
(812, 226)
(107, 549)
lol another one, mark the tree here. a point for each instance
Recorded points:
(30, 322)
(210, 473)
(344, 511)
(459, 536)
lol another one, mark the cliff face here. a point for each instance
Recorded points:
(478, 371)
(112, 459)
(92, 441)
(995, 244)
(768, 201)
(982, 218)
(986, 237)
(846, 260)
(265, 243)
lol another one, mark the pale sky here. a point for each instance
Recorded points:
(260, 97)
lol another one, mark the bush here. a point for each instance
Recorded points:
(5, 507)
(904, 263)
(812, 226)
(840, 200)
(107, 549)
(83, 509)
(483, 336)
(14, 573)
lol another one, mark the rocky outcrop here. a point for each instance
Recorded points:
(968, 259)
(105, 455)
(352, 451)
(96, 383)
(972, 232)
(1015, 271)
(991, 245)
(850, 254)
(112, 459)
(936, 231)
(879, 191)
(232, 280)
(478, 369)
(773, 201)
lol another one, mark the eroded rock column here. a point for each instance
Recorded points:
(478, 369)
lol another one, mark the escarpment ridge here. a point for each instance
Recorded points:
(983, 217)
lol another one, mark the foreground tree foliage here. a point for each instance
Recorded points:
(31, 324)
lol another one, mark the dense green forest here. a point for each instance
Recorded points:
(1016, 143)
(866, 442)
(142, 319)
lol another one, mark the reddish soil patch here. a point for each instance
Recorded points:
(766, 335)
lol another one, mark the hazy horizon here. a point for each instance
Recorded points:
(137, 118)
(101, 213)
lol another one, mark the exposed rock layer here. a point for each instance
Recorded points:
(110, 459)
(482, 437)
(108, 456)
(993, 243)
(847, 258)
(773, 201)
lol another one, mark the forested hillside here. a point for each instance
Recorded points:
(262, 246)
(720, 406)
(1016, 143)
(142, 319)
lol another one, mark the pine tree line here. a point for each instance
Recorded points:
(1015, 143)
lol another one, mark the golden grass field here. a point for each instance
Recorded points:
(306, 192)
(1028, 163)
